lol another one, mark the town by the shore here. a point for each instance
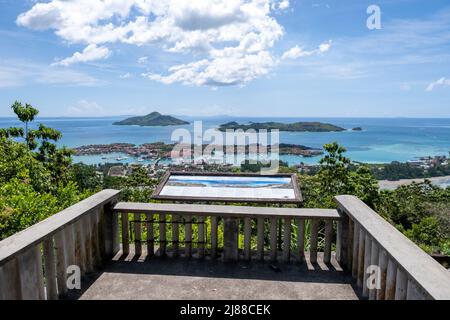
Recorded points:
(443, 181)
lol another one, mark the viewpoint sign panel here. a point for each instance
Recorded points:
(228, 187)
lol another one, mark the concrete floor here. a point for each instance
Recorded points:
(169, 278)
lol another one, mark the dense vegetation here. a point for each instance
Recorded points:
(296, 126)
(37, 179)
(35, 176)
(152, 119)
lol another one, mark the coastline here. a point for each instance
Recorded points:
(391, 185)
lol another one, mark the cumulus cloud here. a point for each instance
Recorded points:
(440, 82)
(283, 5)
(231, 40)
(297, 52)
(90, 53)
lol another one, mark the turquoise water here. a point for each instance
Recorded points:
(381, 141)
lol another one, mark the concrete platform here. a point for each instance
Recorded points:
(170, 278)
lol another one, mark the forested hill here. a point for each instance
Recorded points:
(296, 126)
(152, 119)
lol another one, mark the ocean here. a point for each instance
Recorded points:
(382, 140)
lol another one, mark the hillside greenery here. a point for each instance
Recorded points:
(151, 119)
(294, 127)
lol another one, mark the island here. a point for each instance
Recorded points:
(157, 150)
(296, 126)
(357, 129)
(152, 119)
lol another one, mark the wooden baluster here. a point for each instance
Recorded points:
(301, 239)
(201, 237)
(382, 263)
(87, 238)
(230, 239)
(80, 250)
(61, 261)
(247, 238)
(175, 235)
(313, 241)
(188, 236)
(9, 280)
(137, 235)
(162, 235)
(109, 232)
(391, 276)
(214, 224)
(343, 250)
(150, 236)
(349, 243)
(260, 238)
(367, 256)
(374, 258)
(50, 269)
(273, 239)
(355, 250)
(328, 241)
(70, 245)
(361, 247)
(125, 234)
(414, 292)
(30, 274)
(339, 241)
(287, 240)
(95, 220)
(401, 285)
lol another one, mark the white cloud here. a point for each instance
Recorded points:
(142, 60)
(125, 75)
(231, 40)
(297, 52)
(14, 73)
(90, 53)
(85, 108)
(440, 82)
(284, 5)
(280, 4)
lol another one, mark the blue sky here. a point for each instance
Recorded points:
(235, 57)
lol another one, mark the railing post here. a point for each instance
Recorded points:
(9, 279)
(342, 243)
(214, 225)
(301, 239)
(230, 239)
(110, 231)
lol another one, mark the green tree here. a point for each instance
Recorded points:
(26, 114)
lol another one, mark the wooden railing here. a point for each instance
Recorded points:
(34, 262)
(233, 222)
(405, 271)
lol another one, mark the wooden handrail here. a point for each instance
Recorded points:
(34, 262)
(277, 218)
(227, 211)
(426, 277)
(24, 239)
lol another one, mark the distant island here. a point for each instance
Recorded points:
(357, 129)
(152, 119)
(296, 126)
